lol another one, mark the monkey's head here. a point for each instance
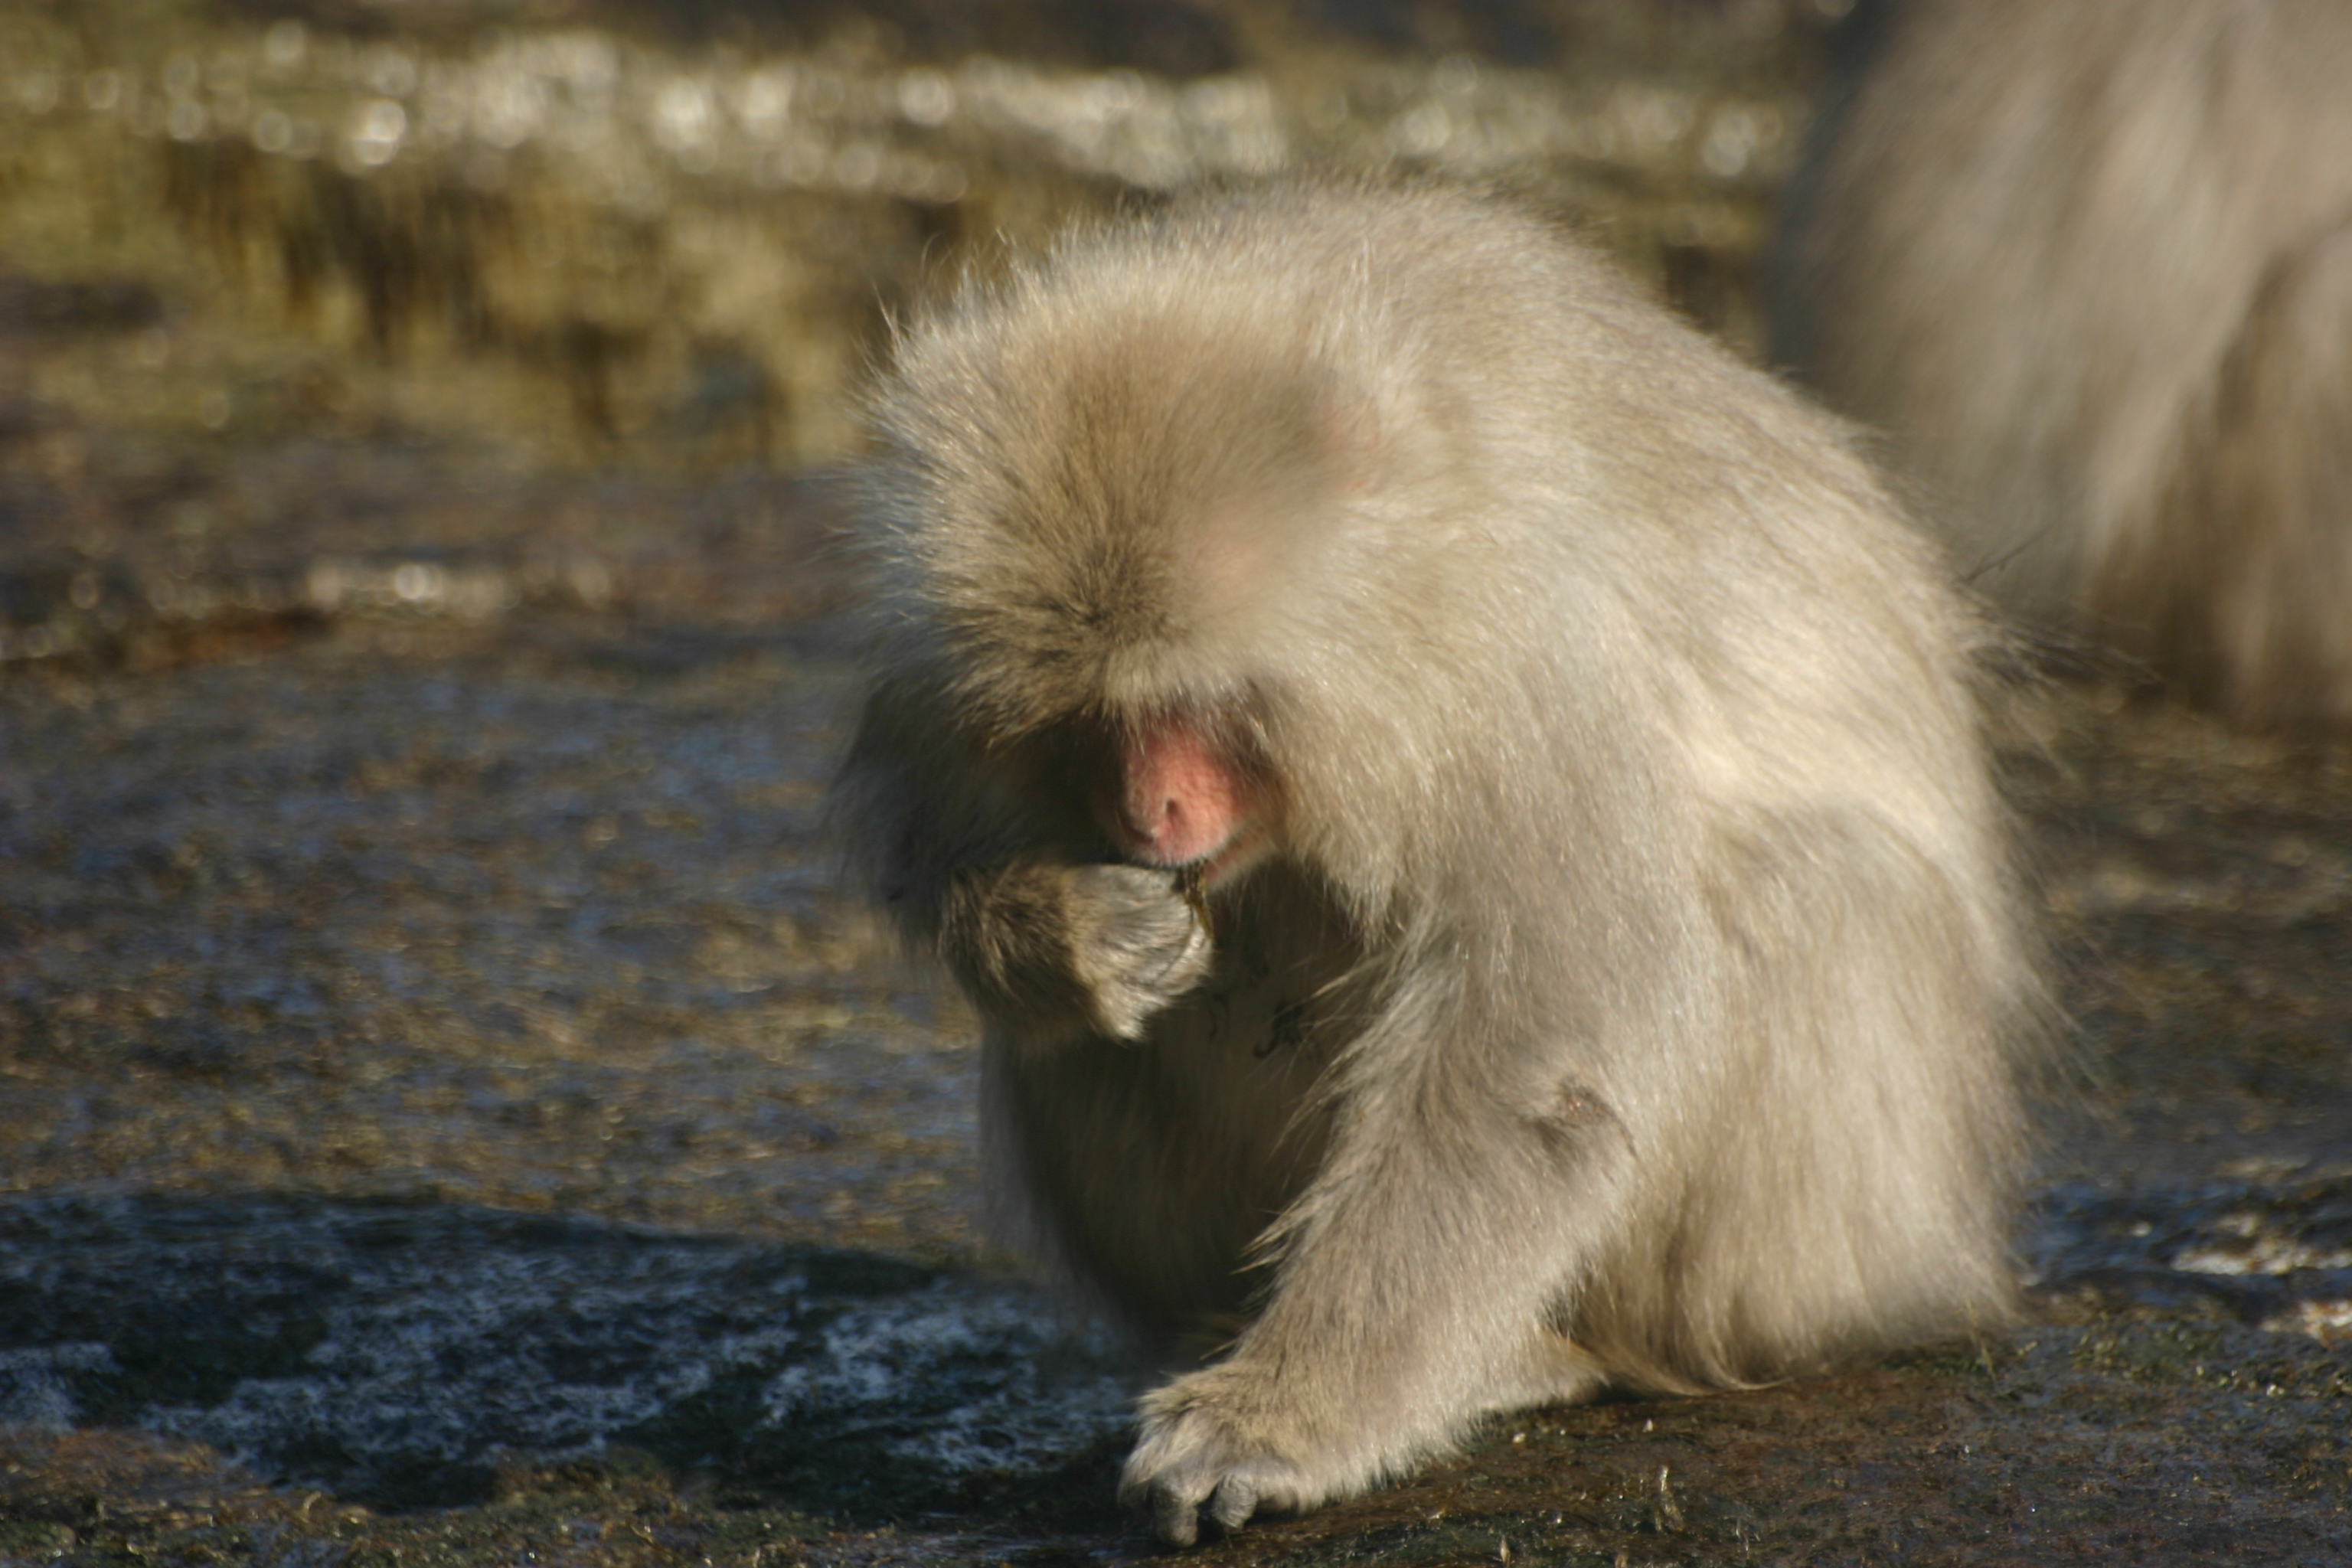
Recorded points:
(1066, 547)
(1185, 518)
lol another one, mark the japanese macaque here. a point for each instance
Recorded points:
(2091, 266)
(1461, 810)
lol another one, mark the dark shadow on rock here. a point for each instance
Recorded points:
(405, 1354)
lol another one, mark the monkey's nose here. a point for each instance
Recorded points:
(1162, 828)
(1155, 821)
(1175, 801)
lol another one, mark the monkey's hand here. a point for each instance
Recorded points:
(1137, 943)
(1205, 1451)
(1055, 949)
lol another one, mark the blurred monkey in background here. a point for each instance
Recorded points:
(1462, 811)
(2090, 266)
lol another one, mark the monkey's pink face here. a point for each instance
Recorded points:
(1177, 801)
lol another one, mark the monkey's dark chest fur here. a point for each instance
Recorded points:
(1160, 1161)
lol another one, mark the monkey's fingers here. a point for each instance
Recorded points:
(1173, 1501)
(1233, 1502)
(1176, 1512)
(1167, 1486)
(1175, 1519)
(1195, 1469)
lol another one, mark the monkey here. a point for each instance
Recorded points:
(1462, 811)
(2090, 268)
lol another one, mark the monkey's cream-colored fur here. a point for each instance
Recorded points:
(2091, 265)
(1629, 993)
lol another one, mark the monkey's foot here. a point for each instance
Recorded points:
(1198, 1457)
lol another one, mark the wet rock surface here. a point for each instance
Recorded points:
(449, 1112)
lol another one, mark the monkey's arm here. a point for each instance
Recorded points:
(1420, 1279)
(1047, 938)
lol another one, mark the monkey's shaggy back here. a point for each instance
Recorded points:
(2091, 267)
(1605, 692)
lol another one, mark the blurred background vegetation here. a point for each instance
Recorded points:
(317, 307)
(601, 230)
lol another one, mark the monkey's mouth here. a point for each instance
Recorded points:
(1236, 856)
